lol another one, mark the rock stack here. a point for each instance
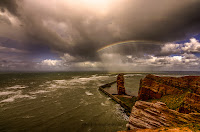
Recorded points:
(120, 84)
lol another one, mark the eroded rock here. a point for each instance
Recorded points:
(120, 84)
(154, 87)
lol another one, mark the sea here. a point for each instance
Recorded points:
(65, 101)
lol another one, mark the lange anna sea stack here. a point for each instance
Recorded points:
(120, 84)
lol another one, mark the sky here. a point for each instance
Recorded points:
(99, 35)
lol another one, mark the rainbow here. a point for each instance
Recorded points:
(128, 41)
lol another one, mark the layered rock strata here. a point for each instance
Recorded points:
(120, 85)
(154, 87)
(146, 115)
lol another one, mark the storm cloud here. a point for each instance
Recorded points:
(78, 29)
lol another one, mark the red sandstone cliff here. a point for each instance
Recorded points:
(154, 87)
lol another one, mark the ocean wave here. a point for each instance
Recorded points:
(76, 81)
(39, 92)
(61, 82)
(13, 98)
(106, 103)
(132, 75)
(88, 93)
(6, 93)
(103, 104)
(17, 87)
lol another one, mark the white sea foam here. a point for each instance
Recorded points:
(75, 81)
(92, 78)
(61, 82)
(106, 103)
(17, 87)
(6, 93)
(102, 104)
(132, 75)
(88, 93)
(48, 82)
(120, 111)
(13, 98)
(39, 92)
(28, 116)
(18, 95)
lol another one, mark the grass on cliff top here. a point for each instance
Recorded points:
(172, 101)
(128, 101)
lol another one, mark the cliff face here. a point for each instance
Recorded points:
(120, 85)
(146, 115)
(154, 87)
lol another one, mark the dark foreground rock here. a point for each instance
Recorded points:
(147, 115)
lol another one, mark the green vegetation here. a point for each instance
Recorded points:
(172, 101)
(195, 127)
(128, 101)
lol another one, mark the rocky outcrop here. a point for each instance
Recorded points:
(147, 115)
(120, 84)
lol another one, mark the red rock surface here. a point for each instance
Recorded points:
(147, 115)
(154, 87)
(191, 103)
(120, 84)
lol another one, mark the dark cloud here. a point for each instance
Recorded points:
(65, 27)
(4, 19)
(10, 5)
(147, 20)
